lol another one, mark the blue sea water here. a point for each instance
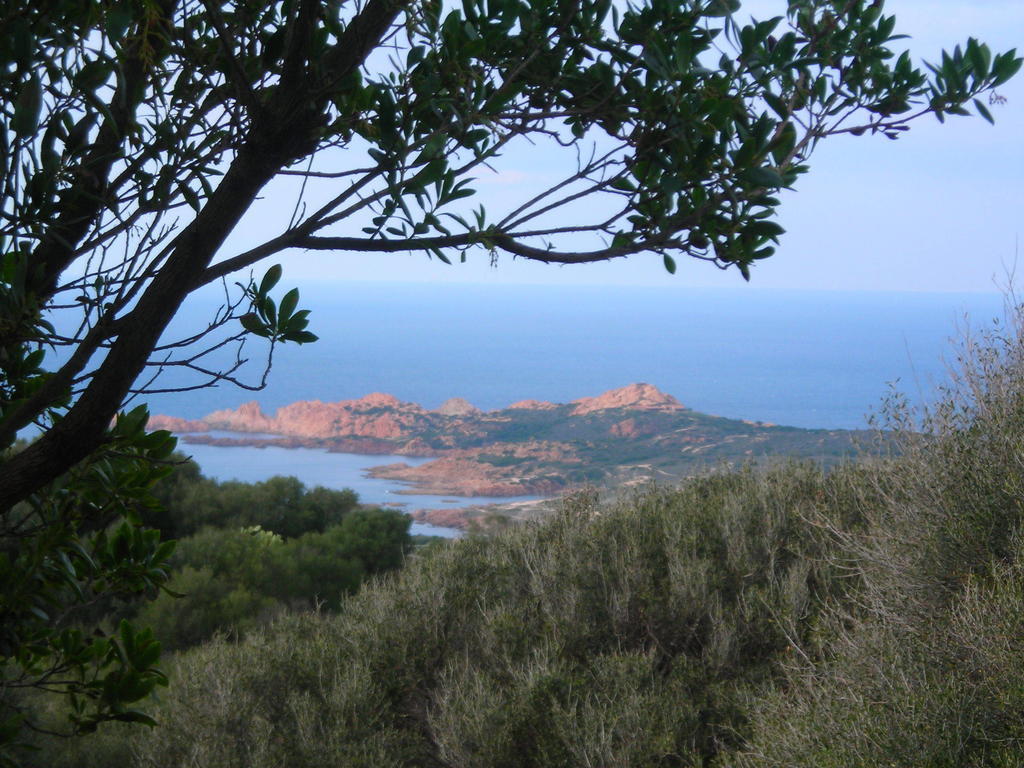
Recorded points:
(807, 359)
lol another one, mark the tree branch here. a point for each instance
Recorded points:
(85, 200)
(503, 242)
(274, 142)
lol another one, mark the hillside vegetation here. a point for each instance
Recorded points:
(870, 616)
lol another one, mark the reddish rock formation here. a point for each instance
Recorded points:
(464, 476)
(472, 459)
(532, 405)
(511, 452)
(457, 406)
(500, 469)
(634, 396)
(629, 429)
(446, 518)
(174, 424)
(379, 416)
(248, 417)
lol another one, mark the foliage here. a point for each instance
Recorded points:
(77, 560)
(137, 134)
(141, 132)
(234, 580)
(614, 637)
(930, 673)
(72, 544)
(283, 505)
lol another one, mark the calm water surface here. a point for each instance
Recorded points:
(806, 359)
(332, 470)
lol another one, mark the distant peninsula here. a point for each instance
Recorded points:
(629, 435)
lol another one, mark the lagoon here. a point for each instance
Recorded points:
(315, 466)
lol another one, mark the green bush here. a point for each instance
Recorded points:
(620, 636)
(234, 580)
(202, 605)
(283, 505)
(927, 668)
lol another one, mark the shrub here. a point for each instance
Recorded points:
(620, 636)
(234, 580)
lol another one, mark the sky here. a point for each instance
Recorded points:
(941, 209)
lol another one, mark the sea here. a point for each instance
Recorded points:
(799, 358)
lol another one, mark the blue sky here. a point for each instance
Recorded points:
(938, 210)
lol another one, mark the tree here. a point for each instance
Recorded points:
(138, 133)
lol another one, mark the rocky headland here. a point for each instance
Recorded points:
(633, 434)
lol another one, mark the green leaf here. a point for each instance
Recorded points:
(981, 58)
(983, 111)
(39, 612)
(270, 279)
(252, 323)
(763, 228)
(190, 195)
(778, 105)
(288, 303)
(301, 337)
(27, 107)
(134, 716)
(440, 254)
(784, 144)
(721, 7)
(670, 264)
(476, 135)
(763, 177)
(93, 75)
(1004, 67)
(415, 56)
(118, 20)
(268, 309)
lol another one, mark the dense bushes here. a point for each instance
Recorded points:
(623, 636)
(928, 666)
(282, 505)
(236, 579)
(249, 551)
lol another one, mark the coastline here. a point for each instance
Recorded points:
(527, 452)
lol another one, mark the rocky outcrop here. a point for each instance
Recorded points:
(531, 448)
(500, 469)
(456, 517)
(378, 416)
(457, 406)
(532, 405)
(640, 397)
(624, 428)
(464, 476)
(248, 417)
(174, 424)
